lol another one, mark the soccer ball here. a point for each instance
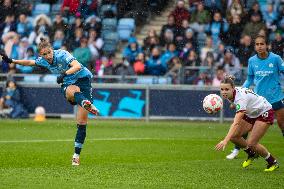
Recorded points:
(212, 103)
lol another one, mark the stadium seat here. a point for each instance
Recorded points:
(111, 40)
(31, 79)
(49, 78)
(107, 7)
(144, 80)
(41, 8)
(55, 9)
(109, 24)
(126, 26)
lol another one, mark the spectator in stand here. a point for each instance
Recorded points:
(200, 17)
(78, 23)
(151, 40)
(83, 53)
(11, 45)
(235, 8)
(219, 52)
(24, 27)
(219, 76)
(7, 7)
(254, 26)
(189, 37)
(75, 41)
(179, 39)
(170, 25)
(131, 50)
(209, 60)
(42, 28)
(191, 59)
(95, 44)
(231, 64)
(139, 64)
(8, 25)
(246, 50)
(217, 28)
(22, 48)
(29, 55)
(123, 68)
(233, 35)
(174, 72)
(168, 37)
(93, 22)
(11, 99)
(214, 5)
(254, 9)
(208, 48)
(154, 65)
(190, 75)
(277, 45)
(58, 40)
(180, 13)
(70, 8)
(203, 79)
(170, 53)
(270, 16)
(104, 66)
(59, 24)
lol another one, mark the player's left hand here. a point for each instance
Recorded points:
(221, 145)
(60, 78)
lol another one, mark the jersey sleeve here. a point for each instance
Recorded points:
(40, 62)
(250, 76)
(68, 57)
(241, 105)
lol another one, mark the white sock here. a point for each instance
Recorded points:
(76, 155)
(268, 155)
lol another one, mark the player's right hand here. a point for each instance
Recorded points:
(60, 78)
(6, 58)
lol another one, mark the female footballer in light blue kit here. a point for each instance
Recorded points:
(75, 82)
(264, 71)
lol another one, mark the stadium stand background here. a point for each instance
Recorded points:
(152, 41)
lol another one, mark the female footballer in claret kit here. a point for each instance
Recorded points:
(254, 114)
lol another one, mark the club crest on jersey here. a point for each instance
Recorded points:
(59, 65)
(270, 65)
(238, 106)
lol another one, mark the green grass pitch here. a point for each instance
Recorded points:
(129, 154)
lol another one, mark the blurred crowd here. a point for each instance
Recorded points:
(200, 42)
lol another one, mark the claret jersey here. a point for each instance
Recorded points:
(61, 62)
(248, 101)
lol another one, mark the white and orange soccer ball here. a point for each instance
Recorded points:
(212, 103)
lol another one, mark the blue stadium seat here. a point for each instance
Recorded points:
(126, 27)
(111, 40)
(55, 9)
(127, 23)
(31, 79)
(41, 8)
(49, 78)
(107, 7)
(109, 24)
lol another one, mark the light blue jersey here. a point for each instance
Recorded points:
(265, 74)
(61, 62)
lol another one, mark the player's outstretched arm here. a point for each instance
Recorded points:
(21, 62)
(74, 67)
(234, 127)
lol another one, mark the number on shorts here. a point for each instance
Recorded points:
(265, 114)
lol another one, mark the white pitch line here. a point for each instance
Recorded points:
(71, 140)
